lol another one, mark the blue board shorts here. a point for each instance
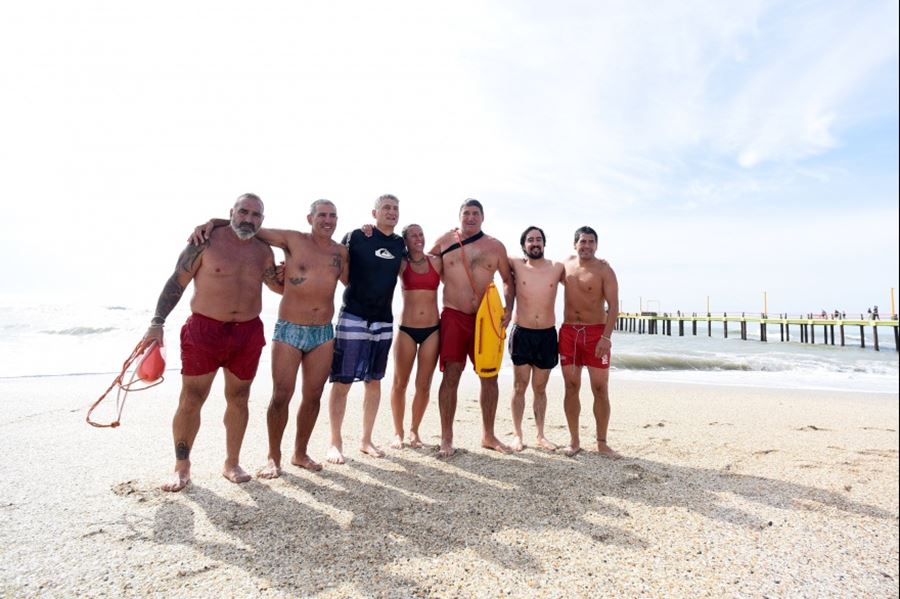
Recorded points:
(361, 349)
(304, 337)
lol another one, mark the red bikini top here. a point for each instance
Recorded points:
(411, 280)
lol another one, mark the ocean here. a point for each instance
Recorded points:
(74, 339)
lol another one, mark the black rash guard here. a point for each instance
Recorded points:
(374, 264)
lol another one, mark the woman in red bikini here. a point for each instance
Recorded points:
(418, 337)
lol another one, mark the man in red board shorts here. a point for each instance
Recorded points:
(463, 291)
(584, 338)
(223, 331)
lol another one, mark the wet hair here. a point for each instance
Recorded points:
(525, 234)
(585, 231)
(384, 198)
(406, 229)
(316, 204)
(471, 202)
(248, 196)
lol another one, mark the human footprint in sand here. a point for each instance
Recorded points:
(467, 274)
(533, 343)
(584, 338)
(365, 324)
(223, 331)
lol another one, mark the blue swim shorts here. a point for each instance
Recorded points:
(305, 337)
(361, 349)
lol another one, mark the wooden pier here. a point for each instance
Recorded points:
(652, 323)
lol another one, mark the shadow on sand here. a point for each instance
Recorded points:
(350, 522)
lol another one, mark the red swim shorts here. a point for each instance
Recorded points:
(577, 344)
(457, 337)
(208, 344)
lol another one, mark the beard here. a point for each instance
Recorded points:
(536, 253)
(244, 231)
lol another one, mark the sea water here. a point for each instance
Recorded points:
(72, 339)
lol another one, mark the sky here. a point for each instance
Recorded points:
(735, 151)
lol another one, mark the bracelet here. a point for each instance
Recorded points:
(605, 337)
(157, 321)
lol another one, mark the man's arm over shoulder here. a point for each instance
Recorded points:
(514, 263)
(561, 268)
(270, 277)
(611, 289)
(345, 264)
(442, 242)
(509, 283)
(280, 238)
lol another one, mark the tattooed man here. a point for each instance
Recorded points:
(304, 335)
(223, 330)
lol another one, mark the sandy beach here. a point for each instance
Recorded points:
(722, 492)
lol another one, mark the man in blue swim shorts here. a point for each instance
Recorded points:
(365, 324)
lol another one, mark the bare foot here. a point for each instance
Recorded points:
(270, 470)
(517, 445)
(572, 450)
(606, 450)
(370, 449)
(397, 443)
(304, 461)
(446, 450)
(543, 443)
(335, 456)
(495, 444)
(236, 474)
(414, 441)
(178, 482)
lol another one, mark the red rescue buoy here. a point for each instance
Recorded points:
(152, 364)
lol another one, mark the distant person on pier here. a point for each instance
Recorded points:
(875, 313)
(584, 338)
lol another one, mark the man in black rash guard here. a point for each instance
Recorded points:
(365, 324)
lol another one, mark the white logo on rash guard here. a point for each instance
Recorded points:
(384, 253)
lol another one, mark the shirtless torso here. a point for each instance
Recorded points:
(590, 286)
(485, 257)
(229, 277)
(536, 285)
(313, 266)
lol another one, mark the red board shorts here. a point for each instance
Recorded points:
(457, 337)
(208, 344)
(577, 343)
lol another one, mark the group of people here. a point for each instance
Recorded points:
(230, 260)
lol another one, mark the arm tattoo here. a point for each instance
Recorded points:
(269, 274)
(336, 261)
(169, 297)
(190, 255)
(297, 280)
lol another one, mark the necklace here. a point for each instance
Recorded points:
(419, 261)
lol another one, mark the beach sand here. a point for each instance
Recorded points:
(722, 492)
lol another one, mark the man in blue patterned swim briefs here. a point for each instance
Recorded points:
(304, 336)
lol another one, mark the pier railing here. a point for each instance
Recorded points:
(653, 323)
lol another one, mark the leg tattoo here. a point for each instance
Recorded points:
(182, 451)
